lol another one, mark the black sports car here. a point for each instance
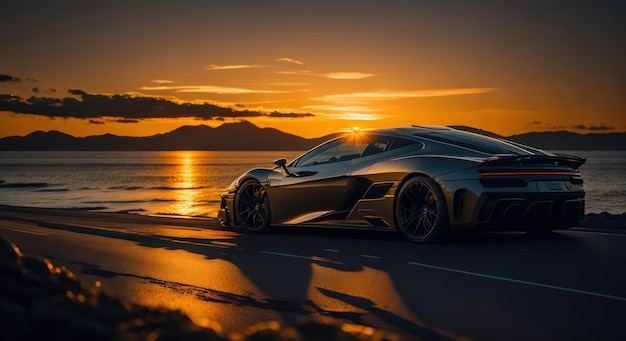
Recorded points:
(423, 181)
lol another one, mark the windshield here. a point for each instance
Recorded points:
(352, 147)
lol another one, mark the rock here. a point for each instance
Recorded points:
(604, 221)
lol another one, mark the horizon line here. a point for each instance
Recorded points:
(472, 129)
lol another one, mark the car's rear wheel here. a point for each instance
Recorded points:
(253, 206)
(421, 211)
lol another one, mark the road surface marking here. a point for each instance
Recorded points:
(286, 255)
(591, 293)
(311, 258)
(370, 256)
(24, 231)
(208, 244)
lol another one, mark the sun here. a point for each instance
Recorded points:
(356, 130)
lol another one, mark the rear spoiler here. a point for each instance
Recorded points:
(503, 160)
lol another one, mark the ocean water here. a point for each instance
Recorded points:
(189, 183)
(183, 183)
(605, 180)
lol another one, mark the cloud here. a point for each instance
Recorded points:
(354, 116)
(95, 122)
(343, 108)
(348, 75)
(7, 78)
(602, 127)
(290, 60)
(77, 92)
(393, 95)
(342, 75)
(286, 114)
(83, 105)
(290, 84)
(214, 89)
(232, 67)
(351, 113)
(301, 72)
(125, 120)
(162, 81)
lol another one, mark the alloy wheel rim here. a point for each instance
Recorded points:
(252, 206)
(418, 210)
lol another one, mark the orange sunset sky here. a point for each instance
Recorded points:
(311, 68)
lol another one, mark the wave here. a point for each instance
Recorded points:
(126, 188)
(88, 208)
(127, 201)
(53, 190)
(23, 184)
(164, 214)
(167, 188)
(614, 193)
(137, 210)
(159, 188)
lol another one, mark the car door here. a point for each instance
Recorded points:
(316, 184)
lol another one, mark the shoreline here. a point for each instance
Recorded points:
(603, 222)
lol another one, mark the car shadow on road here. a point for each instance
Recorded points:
(280, 264)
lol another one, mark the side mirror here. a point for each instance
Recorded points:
(283, 164)
(280, 162)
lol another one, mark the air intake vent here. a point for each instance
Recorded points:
(377, 190)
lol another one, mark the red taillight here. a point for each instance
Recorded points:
(521, 178)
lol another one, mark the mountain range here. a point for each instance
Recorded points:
(247, 136)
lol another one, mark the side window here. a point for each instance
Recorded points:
(399, 143)
(377, 145)
(381, 144)
(343, 149)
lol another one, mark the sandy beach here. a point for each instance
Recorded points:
(46, 293)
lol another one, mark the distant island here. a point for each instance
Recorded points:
(244, 136)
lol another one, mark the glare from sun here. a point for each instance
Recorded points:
(356, 130)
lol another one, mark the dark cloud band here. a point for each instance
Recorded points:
(83, 105)
(7, 78)
(602, 127)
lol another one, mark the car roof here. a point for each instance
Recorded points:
(415, 130)
(459, 138)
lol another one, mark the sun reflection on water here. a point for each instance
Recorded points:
(187, 187)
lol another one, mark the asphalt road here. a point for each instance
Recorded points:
(568, 285)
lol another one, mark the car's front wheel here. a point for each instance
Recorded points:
(252, 206)
(421, 211)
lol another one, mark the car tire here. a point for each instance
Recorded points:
(252, 207)
(421, 212)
